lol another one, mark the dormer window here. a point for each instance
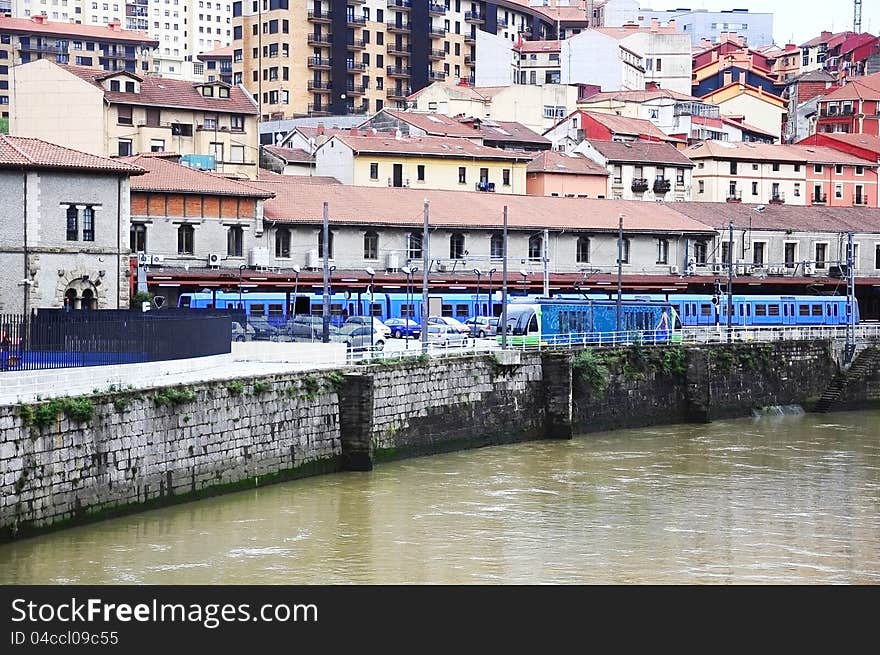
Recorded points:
(114, 85)
(208, 91)
(222, 92)
(129, 87)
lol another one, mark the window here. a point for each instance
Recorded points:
(616, 173)
(701, 186)
(210, 122)
(420, 172)
(700, 250)
(185, 239)
(456, 246)
(236, 123)
(88, 224)
(72, 223)
(583, 250)
(754, 188)
(414, 245)
(496, 246)
(157, 145)
(123, 147)
(679, 177)
(797, 189)
(138, 237)
(789, 253)
(838, 169)
(821, 251)
(462, 175)
(371, 245)
(662, 251)
(758, 253)
(505, 177)
(775, 166)
(114, 85)
(817, 168)
(329, 244)
(733, 168)
(236, 154)
(860, 170)
(838, 191)
(374, 170)
(877, 256)
(536, 243)
(235, 241)
(282, 243)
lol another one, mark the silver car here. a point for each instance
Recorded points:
(482, 326)
(446, 335)
(358, 336)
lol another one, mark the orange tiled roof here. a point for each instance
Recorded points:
(648, 152)
(167, 176)
(773, 152)
(216, 53)
(23, 152)
(289, 154)
(552, 161)
(629, 126)
(428, 146)
(74, 30)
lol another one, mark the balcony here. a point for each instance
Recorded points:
(476, 17)
(639, 185)
(662, 185)
(399, 93)
(355, 66)
(399, 50)
(437, 33)
(320, 40)
(777, 199)
(355, 21)
(819, 199)
(320, 16)
(436, 54)
(356, 89)
(734, 196)
(41, 47)
(398, 28)
(319, 85)
(320, 63)
(436, 76)
(470, 39)
(503, 23)
(319, 110)
(860, 202)
(436, 9)
(398, 71)
(401, 5)
(356, 44)
(469, 61)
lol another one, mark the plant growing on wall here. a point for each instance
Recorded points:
(261, 387)
(174, 396)
(590, 368)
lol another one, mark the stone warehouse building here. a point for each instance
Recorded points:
(65, 217)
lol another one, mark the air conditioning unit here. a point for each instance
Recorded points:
(743, 267)
(157, 260)
(214, 259)
(775, 270)
(143, 259)
(442, 267)
(673, 270)
(809, 269)
(313, 261)
(259, 257)
(392, 262)
(717, 268)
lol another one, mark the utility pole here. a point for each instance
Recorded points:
(857, 16)
(730, 282)
(850, 301)
(619, 271)
(504, 283)
(546, 259)
(326, 253)
(426, 258)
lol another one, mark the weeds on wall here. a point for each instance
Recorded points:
(174, 396)
(79, 410)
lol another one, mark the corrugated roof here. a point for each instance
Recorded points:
(74, 30)
(647, 152)
(553, 161)
(163, 175)
(24, 152)
(158, 91)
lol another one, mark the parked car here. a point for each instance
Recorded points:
(445, 335)
(240, 333)
(404, 327)
(378, 325)
(306, 328)
(263, 329)
(482, 326)
(454, 323)
(358, 336)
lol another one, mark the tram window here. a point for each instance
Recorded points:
(705, 310)
(376, 309)
(185, 301)
(748, 310)
(462, 310)
(760, 310)
(803, 310)
(258, 309)
(835, 310)
(817, 310)
(773, 310)
(784, 309)
(336, 309)
(407, 311)
(446, 310)
(828, 310)
(276, 310)
(533, 324)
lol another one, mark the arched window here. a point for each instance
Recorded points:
(186, 237)
(583, 250)
(235, 241)
(88, 299)
(72, 223)
(536, 246)
(89, 224)
(329, 244)
(496, 246)
(70, 299)
(138, 237)
(371, 245)
(456, 246)
(282, 242)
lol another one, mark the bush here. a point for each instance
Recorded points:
(174, 396)
(590, 369)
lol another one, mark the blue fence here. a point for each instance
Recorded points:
(63, 339)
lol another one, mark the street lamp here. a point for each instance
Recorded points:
(491, 308)
(479, 274)
(296, 269)
(372, 273)
(525, 277)
(409, 271)
(240, 272)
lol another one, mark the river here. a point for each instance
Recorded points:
(775, 500)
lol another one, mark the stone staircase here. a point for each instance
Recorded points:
(864, 362)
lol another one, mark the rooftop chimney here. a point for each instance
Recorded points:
(722, 37)
(39, 18)
(652, 86)
(728, 77)
(826, 35)
(320, 128)
(671, 23)
(654, 24)
(115, 25)
(354, 131)
(742, 77)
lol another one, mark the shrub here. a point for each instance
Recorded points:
(590, 369)
(173, 397)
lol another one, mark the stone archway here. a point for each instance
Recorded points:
(80, 294)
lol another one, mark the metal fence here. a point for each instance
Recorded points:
(63, 339)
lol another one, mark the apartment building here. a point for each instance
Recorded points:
(422, 163)
(749, 104)
(210, 124)
(566, 175)
(216, 65)
(580, 125)
(756, 28)
(854, 107)
(792, 174)
(105, 47)
(845, 54)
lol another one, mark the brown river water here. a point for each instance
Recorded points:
(774, 500)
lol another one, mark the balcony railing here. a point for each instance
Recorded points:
(319, 39)
(399, 50)
(319, 85)
(436, 9)
(356, 44)
(436, 76)
(399, 93)
(437, 32)
(474, 17)
(323, 63)
(639, 185)
(777, 199)
(662, 185)
(734, 196)
(319, 110)
(355, 21)
(402, 5)
(403, 26)
(398, 71)
(436, 53)
(41, 47)
(321, 16)
(356, 89)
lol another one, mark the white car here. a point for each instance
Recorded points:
(378, 325)
(446, 335)
(453, 323)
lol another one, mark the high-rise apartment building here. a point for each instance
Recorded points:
(318, 57)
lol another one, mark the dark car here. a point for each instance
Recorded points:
(263, 329)
(404, 327)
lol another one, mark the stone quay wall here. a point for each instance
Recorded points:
(76, 459)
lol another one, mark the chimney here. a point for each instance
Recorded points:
(723, 37)
(826, 35)
(706, 43)
(741, 40)
(714, 55)
(728, 77)
(672, 24)
(354, 131)
(115, 25)
(652, 86)
(320, 129)
(654, 24)
(742, 77)
(39, 18)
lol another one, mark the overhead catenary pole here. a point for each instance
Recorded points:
(546, 258)
(619, 271)
(729, 281)
(325, 334)
(850, 300)
(504, 282)
(426, 258)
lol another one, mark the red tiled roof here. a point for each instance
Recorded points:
(629, 126)
(164, 92)
(856, 41)
(265, 177)
(746, 127)
(441, 125)
(638, 96)
(289, 154)
(22, 152)
(217, 53)
(73, 30)
(783, 217)
(167, 176)
(647, 152)
(864, 141)
(866, 87)
(752, 151)
(433, 124)
(539, 46)
(552, 161)
(295, 203)
(453, 89)
(509, 131)
(818, 40)
(429, 146)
